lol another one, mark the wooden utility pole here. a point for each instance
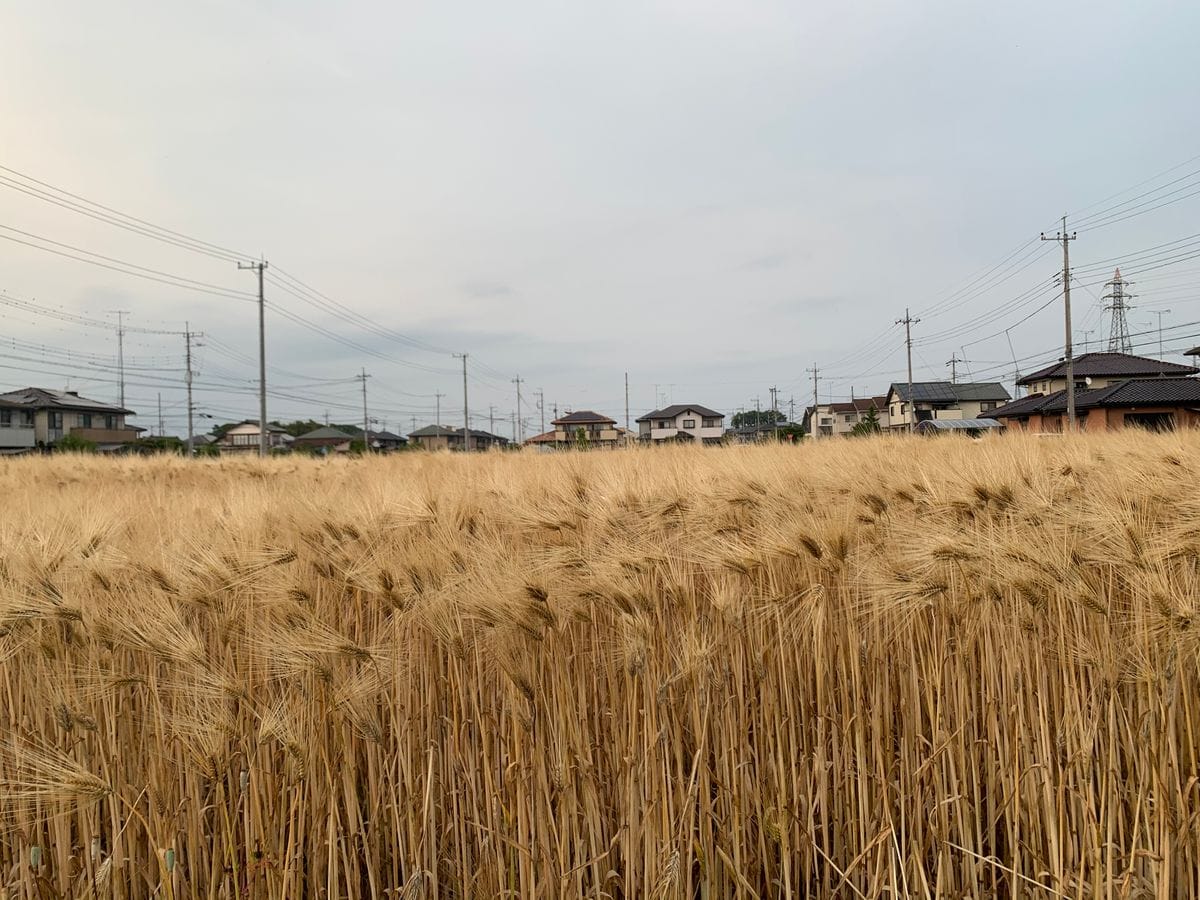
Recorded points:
(262, 357)
(908, 322)
(1065, 240)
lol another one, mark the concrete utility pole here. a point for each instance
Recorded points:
(161, 432)
(439, 409)
(814, 425)
(466, 409)
(191, 409)
(520, 425)
(1160, 313)
(121, 314)
(792, 410)
(491, 418)
(1065, 239)
(541, 395)
(627, 402)
(259, 267)
(908, 321)
(774, 404)
(953, 364)
(757, 417)
(366, 422)
(513, 416)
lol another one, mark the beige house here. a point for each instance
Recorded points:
(586, 426)
(682, 422)
(1099, 370)
(243, 438)
(839, 419)
(56, 414)
(942, 400)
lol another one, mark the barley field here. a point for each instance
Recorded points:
(877, 668)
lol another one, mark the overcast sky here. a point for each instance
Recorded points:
(710, 196)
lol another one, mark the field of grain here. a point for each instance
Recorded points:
(884, 668)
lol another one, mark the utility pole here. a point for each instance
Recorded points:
(1066, 239)
(908, 321)
(953, 364)
(191, 431)
(792, 410)
(627, 403)
(121, 314)
(513, 417)
(366, 422)
(774, 404)
(160, 418)
(757, 418)
(814, 425)
(541, 395)
(414, 423)
(1160, 313)
(520, 425)
(491, 418)
(466, 409)
(439, 409)
(259, 267)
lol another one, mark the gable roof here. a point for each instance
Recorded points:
(670, 412)
(1130, 392)
(950, 391)
(859, 404)
(432, 431)
(1022, 406)
(324, 433)
(1123, 365)
(583, 417)
(41, 398)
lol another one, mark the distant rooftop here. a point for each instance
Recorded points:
(1101, 365)
(583, 417)
(42, 398)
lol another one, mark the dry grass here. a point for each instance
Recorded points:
(889, 668)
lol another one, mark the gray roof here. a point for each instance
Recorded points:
(582, 417)
(1130, 392)
(1121, 365)
(433, 431)
(41, 398)
(950, 391)
(670, 412)
(958, 424)
(1022, 406)
(324, 433)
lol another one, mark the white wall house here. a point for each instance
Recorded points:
(56, 414)
(243, 438)
(682, 422)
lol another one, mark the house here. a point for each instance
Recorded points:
(244, 437)
(324, 440)
(833, 419)
(56, 414)
(17, 431)
(942, 400)
(1097, 370)
(586, 426)
(381, 441)
(441, 437)
(682, 422)
(1158, 404)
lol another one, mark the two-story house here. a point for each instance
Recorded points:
(244, 437)
(1093, 371)
(56, 414)
(682, 422)
(942, 400)
(837, 419)
(586, 428)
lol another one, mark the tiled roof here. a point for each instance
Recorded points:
(432, 431)
(1100, 365)
(1022, 406)
(324, 433)
(41, 398)
(583, 417)
(951, 392)
(670, 412)
(1133, 392)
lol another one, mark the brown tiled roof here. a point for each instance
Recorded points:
(583, 417)
(1121, 365)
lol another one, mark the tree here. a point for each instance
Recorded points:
(72, 444)
(754, 418)
(581, 438)
(869, 424)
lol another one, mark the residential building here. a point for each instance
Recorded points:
(244, 438)
(1158, 404)
(1098, 370)
(324, 440)
(381, 441)
(596, 429)
(942, 400)
(682, 422)
(56, 414)
(441, 437)
(834, 419)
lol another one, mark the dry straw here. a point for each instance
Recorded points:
(880, 668)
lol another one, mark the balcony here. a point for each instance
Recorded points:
(17, 437)
(107, 435)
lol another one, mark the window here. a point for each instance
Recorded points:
(850, 417)
(85, 420)
(110, 422)
(55, 419)
(664, 423)
(27, 418)
(5, 418)
(689, 423)
(987, 405)
(244, 440)
(712, 422)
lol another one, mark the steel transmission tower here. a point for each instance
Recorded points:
(1118, 304)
